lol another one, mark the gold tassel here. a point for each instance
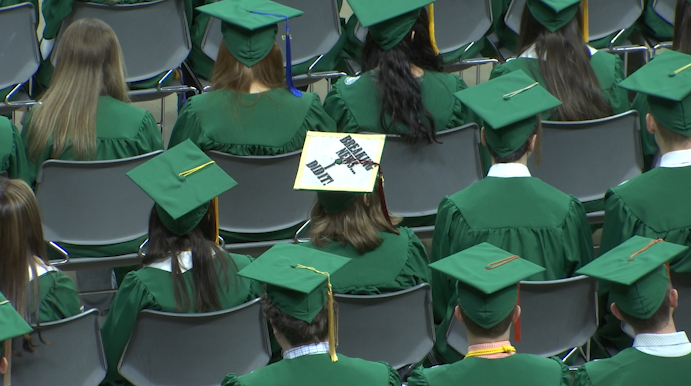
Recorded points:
(586, 24)
(214, 204)
(432, 37)
(331, 317)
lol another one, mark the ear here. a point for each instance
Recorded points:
(516, 314)
(650, 123)
(3, 365)
(673, 298)
(457, 314)
(483, 140)
(531, 145)
(616, 312)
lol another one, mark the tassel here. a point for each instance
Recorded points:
(382, 199)
(332, 324)
(432, 36)
(586, 23)
(214, 205)
(517, 325)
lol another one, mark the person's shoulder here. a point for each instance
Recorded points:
(110, 103)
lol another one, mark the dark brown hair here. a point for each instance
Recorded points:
(298, 332)
(516, 155)
(682, 27)
(231, 74)
(657, 321)
(492, 333)
(567, 71)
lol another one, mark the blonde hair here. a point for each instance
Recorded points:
(357, 224)
(229, 73)
(88, 64)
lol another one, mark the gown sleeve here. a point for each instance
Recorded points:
(186, 126)
(648, 144)
(462, 114)
(394, 378)
(616, 228)
(446, 227)
(54, 12)
(149, 136)
(255, 287)
(18, 166)
(417, 377)
(582, 378)
(565, 379)
(415, 271)
(132, 297)
(498, 71)
(336, 108)
(579, 241)
(61, 300)
(617, 96)
(317, 119)
(231, 380)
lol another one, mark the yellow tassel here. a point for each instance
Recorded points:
(214, 204)
(490, 351)
(194, 170)
(586, 24)
(432, 37)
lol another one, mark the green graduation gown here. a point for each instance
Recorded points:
(57, 298)
(318, 370)
(353, 103)
(12, 152)
(516, 370)
(648, 143)
(151, 288)
(651, 23)
(399, 262)
(522, 215)
(632, 367)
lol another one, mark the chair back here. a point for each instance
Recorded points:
(264, 200)
(682, 315)
(588, 157)
(556, 316)
(154, 36)
(19, 54)
(92, 202)
(205, 347)
(606, 17)
(314, 33)
(397, 328)
(458, 23)
(665, 9)
(73, 354)
(415, 175)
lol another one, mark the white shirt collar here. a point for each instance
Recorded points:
(531, 53)
(184, 259)
(309, 349)
(676, 159)
(41, 269)
(508, 170)
(663, 345)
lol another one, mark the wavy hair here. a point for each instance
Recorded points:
(682, 27)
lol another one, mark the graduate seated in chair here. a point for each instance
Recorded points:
(300, 307)
(655, 204)
(642, 297)
(487, 304)
(508, 209)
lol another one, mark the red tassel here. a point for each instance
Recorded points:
(517, 325)
(669, 274)
(382, 198)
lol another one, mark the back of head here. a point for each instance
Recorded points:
(230, 73)
(659, 320)
(682, 27)
(400, 95)
(88, 64)
(298, 332)
(566, 68)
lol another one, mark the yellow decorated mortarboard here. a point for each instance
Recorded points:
(509, 106)
(298, 282)
(666, 80)
(553, 14)
(182, 181)
(637, 272)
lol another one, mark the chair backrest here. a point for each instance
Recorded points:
(196, 349)
(264, 199)
(588, 157)
(418, 176)
(153, 35)
(94, 202)
(665, 9)
(682, 315)
(314, 33)
(73, 354)
(397, 328)
(605, 16)
(19, 54)
(458, 23)
(555, 316)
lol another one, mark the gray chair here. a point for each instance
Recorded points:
(682, 315)
(20, 54)
(264, 200)
(154, 38)
(72, 355)
(313, 34)
(418, 176)
(586, 158)
(93, 203)
(397, 328)
(205, 347)
(556, 316)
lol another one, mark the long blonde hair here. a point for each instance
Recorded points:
(88, 64)
(232, 74)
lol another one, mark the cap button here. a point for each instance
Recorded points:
(182, 177)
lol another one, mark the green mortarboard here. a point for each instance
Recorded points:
(553, 14)
(182, 181)
(666, 80)
(509, 105)
(637, 273)
(12, 324)
(488, 280)
(388, 21)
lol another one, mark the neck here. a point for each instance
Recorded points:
(670, 328)
(258, 87)
(668, 148)
(473, 339)
(417, 71)
(523, 160)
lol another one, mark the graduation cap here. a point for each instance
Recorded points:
(249, 30)
(340, 167)
(554, 14)
(388, 21)
(12, 325)
(183, 181)
(636, 269)
(488, 280)
(509, 105)
(666, 80)
(298, 282)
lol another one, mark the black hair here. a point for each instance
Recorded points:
(516, 155)
(682, 27)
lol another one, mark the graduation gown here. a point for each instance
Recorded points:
(353, 103)
(648, 143)
(57, 297)
(151, 288)
(632, 367)
(318, 370)
(398, 263)
(522, 215)
(12, 152)
(652, 24)
(517, 370)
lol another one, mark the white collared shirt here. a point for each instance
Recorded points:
(531, 53)
(663, 345)
(508, 170)
(41, 269)
(184, 260)
(676, 159)
(309, 349)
